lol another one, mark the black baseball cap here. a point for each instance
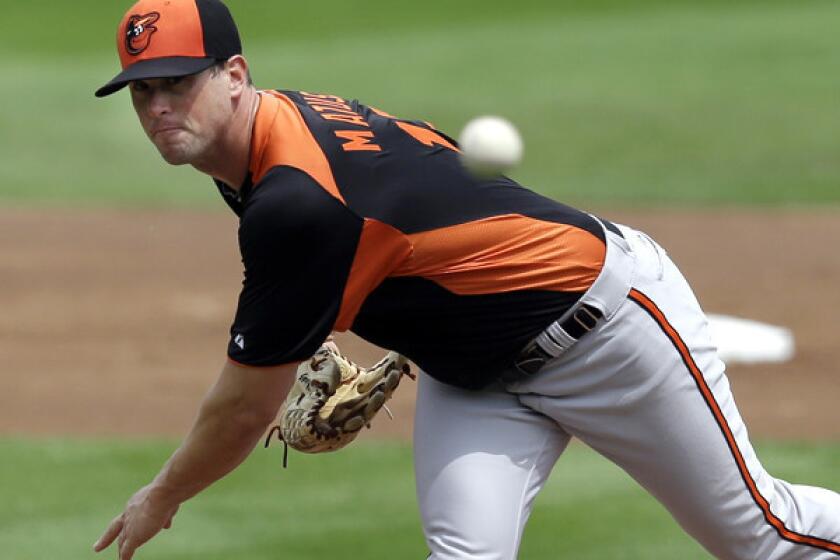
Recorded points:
(171, 38)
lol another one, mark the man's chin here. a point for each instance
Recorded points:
(174, 157)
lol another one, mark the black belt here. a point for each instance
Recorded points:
(532, 358)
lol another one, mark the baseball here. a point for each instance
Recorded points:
(490, 146)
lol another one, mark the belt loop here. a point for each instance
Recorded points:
(590, 313)
(534, 356)
(600, 303)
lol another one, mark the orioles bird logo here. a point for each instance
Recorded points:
(139, 31)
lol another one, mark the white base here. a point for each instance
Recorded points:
(750, 342)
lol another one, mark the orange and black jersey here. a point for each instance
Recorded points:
(353, 219)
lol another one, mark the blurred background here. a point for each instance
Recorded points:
(644, 103)
(711, 124)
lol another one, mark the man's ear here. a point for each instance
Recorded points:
(237, 68)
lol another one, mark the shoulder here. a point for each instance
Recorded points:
(289, 204)
(283, 137)
(293, 194)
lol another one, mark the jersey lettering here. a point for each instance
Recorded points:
(333, 108)
(349, 119)
(316, 96)
(359, 141)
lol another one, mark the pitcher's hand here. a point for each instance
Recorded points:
(143, 518)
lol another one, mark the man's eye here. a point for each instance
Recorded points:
(139, 86)
(174, 81)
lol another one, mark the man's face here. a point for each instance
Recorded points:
(184, 117)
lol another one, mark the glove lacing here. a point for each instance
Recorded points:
(280, 437)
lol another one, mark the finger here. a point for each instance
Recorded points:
(168, 524)
(330, 343)
(127, 548)
(109, 535)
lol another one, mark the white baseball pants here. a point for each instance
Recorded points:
(645, 389)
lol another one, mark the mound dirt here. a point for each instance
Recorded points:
(116, 322)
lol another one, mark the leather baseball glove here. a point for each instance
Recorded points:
(333, 399)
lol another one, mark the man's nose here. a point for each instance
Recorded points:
(159, 103)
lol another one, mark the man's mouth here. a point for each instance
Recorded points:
(164, 130)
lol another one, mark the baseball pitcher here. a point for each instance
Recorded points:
(531, 321)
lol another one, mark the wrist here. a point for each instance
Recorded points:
(162, 496)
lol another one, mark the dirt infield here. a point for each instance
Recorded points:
(116, 322)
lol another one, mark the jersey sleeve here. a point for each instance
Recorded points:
(298, 244)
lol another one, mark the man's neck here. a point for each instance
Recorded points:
(229, 161)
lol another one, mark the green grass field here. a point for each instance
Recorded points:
(360, 500)
(645, 103)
